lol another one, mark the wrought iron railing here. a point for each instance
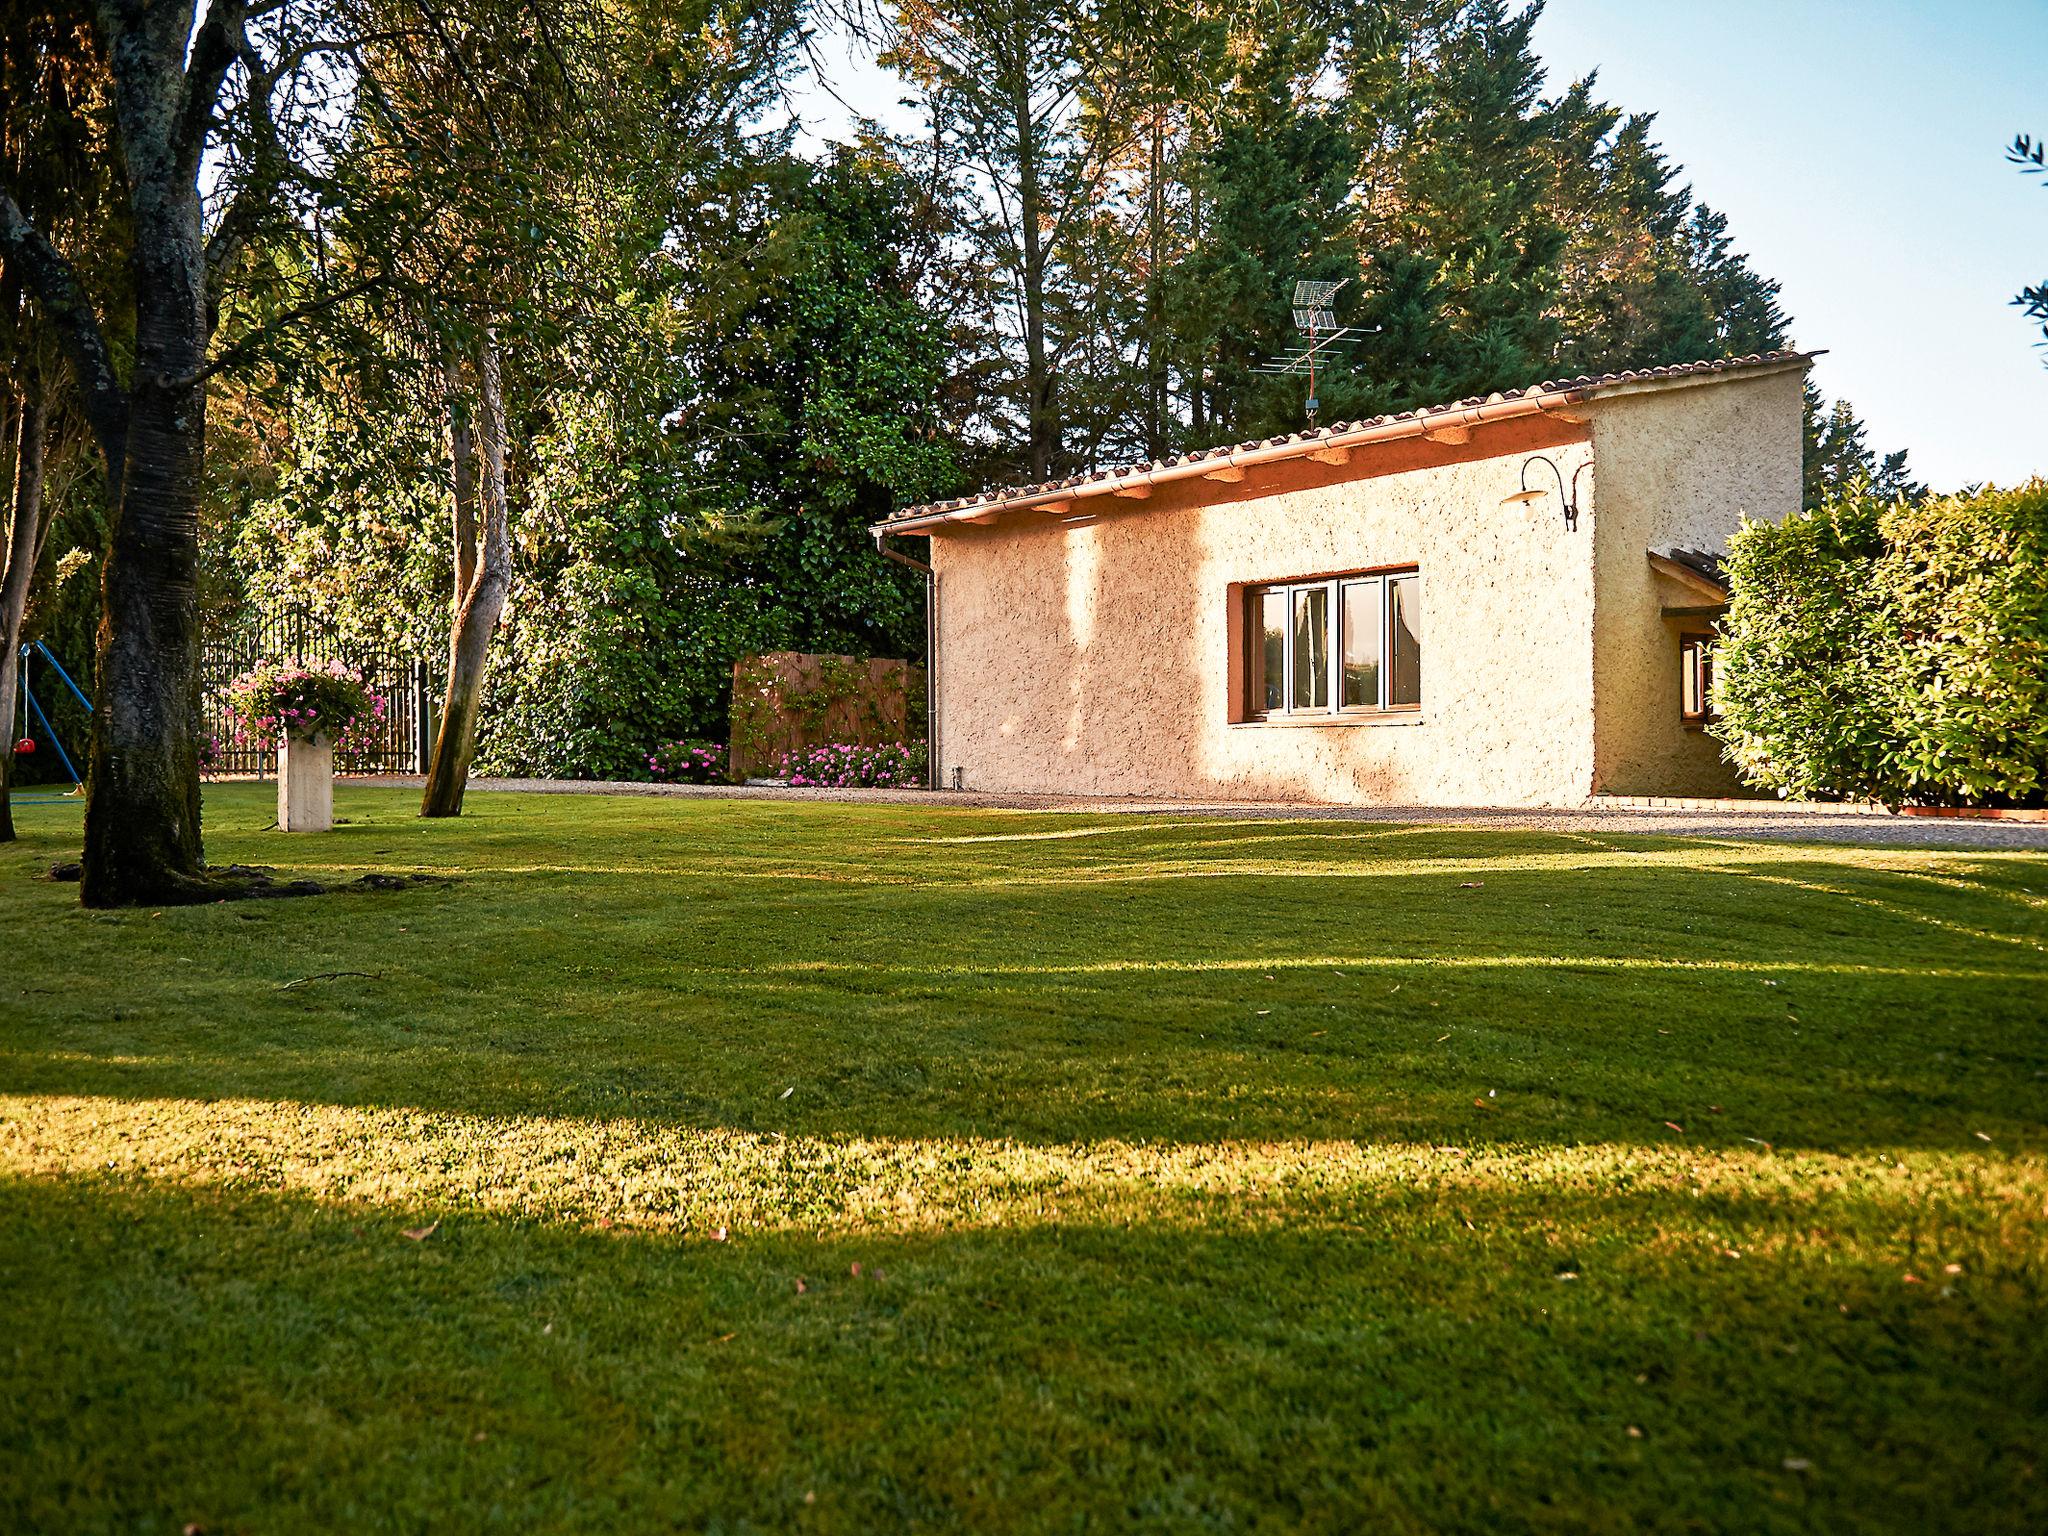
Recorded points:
(408, 683)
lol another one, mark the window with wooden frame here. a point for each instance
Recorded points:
(1334, 646)
(1696, 678)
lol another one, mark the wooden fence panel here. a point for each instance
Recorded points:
(786, 700)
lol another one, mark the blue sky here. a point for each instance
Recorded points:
(1858, 151)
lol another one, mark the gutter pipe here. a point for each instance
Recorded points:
(931, 652)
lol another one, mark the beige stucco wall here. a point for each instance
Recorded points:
(1098, 658)
(1675, 466)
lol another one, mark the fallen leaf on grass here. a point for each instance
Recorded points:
(1676, 1126)
(725, 1338)
(854, 1269)
(800, 1286)
(786, 1092)
(1470, 885)
(1980, 1135)
(1909, 1278)
(1951, 1269)
(1634, 1433)
(421, 1234)
(1481, 1104)
(1440, 1039)
(1797, 1464)
(718, 1234)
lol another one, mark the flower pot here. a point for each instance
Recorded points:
(305, 783)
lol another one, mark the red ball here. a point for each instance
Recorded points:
(25, 746)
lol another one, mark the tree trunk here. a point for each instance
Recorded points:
(1155, 291)
(142, 800)
(482, 599)
(24, 545)
(1042, 421)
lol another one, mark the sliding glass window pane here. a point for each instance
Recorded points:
(1362, 631)
(1404, 676)
(1311, 688)
(1270, 687)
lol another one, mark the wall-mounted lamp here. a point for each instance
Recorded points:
(1567, 495)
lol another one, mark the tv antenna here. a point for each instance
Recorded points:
(1321, 336)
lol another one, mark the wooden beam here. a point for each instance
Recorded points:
(1687, 577)
(1229, 473)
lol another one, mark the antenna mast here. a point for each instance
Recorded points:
(1321, 336)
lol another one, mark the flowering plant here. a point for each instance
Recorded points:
(843, 765)
(294, 698)
(687, 762)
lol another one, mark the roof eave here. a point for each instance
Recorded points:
(1441, 422)
(1141, 479)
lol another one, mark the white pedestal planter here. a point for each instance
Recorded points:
(305, 784)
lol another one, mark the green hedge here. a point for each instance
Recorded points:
(1894, 652)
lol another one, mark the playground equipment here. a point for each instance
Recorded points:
(26, 745)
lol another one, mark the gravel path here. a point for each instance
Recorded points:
(1767, 821)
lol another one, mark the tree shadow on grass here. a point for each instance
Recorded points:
(1230, 982)
(239, 1359)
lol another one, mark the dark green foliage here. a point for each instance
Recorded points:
(657, 555)
(1894, 650)
(1839, 460)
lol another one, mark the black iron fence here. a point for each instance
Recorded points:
(409, 686)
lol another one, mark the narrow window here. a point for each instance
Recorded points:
(1364, 633)
(1311, 648)
(1696, 677)
(1404, 679)
(1269, 656)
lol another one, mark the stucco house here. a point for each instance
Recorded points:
(1502, 601)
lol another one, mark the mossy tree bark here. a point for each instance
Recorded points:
(165, 76)
(483, 572)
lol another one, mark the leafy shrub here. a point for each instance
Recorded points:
(280, 698)
(844, 765)
(688, 762)
(1892, 652)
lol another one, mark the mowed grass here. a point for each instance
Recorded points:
(800, 1167)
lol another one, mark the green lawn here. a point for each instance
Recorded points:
(858, 1168)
